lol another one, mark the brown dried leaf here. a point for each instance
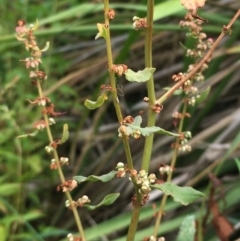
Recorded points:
(222, 226)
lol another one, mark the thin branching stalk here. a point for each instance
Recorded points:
(26, 35)
(169, 178)
(136, 209)
(113, 84)
(205, 59)
(60, 172)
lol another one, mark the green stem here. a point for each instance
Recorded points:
(151, 119)
(113, 84)
(169, 178)
(60, 172)
(150, 87)
(134, 223)
(136, 209)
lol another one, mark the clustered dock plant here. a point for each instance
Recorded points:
(130, 126)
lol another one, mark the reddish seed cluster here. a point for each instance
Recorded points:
(40, 125)
(106, 87)
(38, 74)
(81, 202)
(193, 5)
(32, 62)
(194, 22)
(111, 14)
(139, 23)
(21, 29)
(49, 110)
(128, 120)
(157, 108)
(26, 35)
(67, 186)
(177, 116)
(177, 77)
(133, 173)
(70, 237)
(145, 198)
(63, 161)
(119, 69)
(55, 143)
(53, 166)
(120, 174)
(123, 131)
(195, 30)
(126, 130)
(41, 101)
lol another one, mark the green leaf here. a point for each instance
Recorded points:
(150, 130)
(140, 76)
(51, 231)
(3, 232)
(166, 9)
(187, 229)
(34, 163)
(203, 95)
(78, 11)
(155, 129)
(91, 105)
(7, 189)
(102, 32)
(137, 120)
(237, 161)
(32, 215)
(36, 25)
(104, 178)
(27, 135)
(146, 131)
(65, 134)
(183, 46)
(46, 47)
(184, 195)
(176, 92)
(108, 200)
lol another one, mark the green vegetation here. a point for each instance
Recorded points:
(76, 66)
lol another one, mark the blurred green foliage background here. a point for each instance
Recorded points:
(30, 206)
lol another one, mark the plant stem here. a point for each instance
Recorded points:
(150, 87)
(113, 84)
(169, 178)
(151, 119)
(134, 223)
(136, 209)
(60, 172)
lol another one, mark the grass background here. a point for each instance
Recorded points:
(30, 207)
